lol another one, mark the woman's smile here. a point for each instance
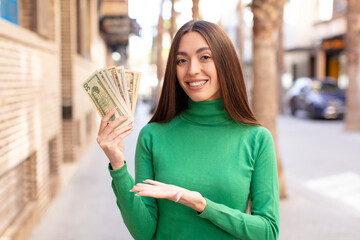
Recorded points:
(196, 84)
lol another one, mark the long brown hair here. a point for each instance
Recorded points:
(173, 100)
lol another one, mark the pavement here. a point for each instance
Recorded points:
(322, 168)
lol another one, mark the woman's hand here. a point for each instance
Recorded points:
(154, 189)
(111, 141)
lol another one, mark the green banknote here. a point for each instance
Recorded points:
(132, 79)
(104, 97)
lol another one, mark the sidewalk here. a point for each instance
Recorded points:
(86, 208)
(322, 170)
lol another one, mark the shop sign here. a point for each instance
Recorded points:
(333, 44)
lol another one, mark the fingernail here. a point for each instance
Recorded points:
(137, 195)
(131, 124)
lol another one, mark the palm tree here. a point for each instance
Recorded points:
(172, 20)
(264, 101)
(280, 61)
(239, 31)
(159, 40)
(352, 118)
(195, 9)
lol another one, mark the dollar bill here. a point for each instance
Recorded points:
(108, 78)
(104, 99)
(109, 83)
(133, 82)
(121, 72)
(119, 78)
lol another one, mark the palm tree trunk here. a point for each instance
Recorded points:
(352, 118)
(264, 101)
(195, 9)
(172, 20)
(239, 32)
(280, 62)
(159, 40)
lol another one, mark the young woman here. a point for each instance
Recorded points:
(203, 156)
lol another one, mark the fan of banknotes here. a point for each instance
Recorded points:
(113, 87)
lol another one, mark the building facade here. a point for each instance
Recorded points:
(314, 39)
(47, 48)
(330, 39)
(30, 116)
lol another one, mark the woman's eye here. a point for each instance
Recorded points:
(205, 57)
(179, 61)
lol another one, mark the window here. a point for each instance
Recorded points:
(53, 158)
(34, 15)
(78, 131)
(89, 122)
(19, 187)
(43, 18)
(83, 27)
(9, 10)
(325, 10)
(53, 166)
(339, 6)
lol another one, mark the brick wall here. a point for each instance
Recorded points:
(79, 129)
(40, 76)
(30, 126)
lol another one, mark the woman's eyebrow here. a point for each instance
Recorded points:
(202, 49)
(197, 51)
(181, 53)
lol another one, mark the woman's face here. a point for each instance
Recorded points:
(195, 68)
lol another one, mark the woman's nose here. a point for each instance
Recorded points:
(194, 67)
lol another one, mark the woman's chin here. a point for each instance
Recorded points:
(197, 99)
(203, 98)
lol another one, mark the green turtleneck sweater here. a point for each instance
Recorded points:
(203, 150)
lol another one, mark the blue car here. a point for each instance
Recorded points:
(320, 99)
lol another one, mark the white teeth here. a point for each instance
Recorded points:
(195, 84)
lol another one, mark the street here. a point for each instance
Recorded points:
(322, 169)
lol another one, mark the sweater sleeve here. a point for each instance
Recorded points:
(263, 223)
(139, 213)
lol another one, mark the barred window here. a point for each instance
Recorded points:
(19, 189)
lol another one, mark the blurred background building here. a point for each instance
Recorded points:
(47, 48)
(314, 40)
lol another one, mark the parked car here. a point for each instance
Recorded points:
(320, 99)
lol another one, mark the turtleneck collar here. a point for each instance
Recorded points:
(206, 113)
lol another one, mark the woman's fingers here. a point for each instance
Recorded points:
(123, 131)
(161, 190)
(115, 136)
(112, 125)
(148, 193)
(105, 119)
(141, 186)
(153, 182)
(118, 138)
